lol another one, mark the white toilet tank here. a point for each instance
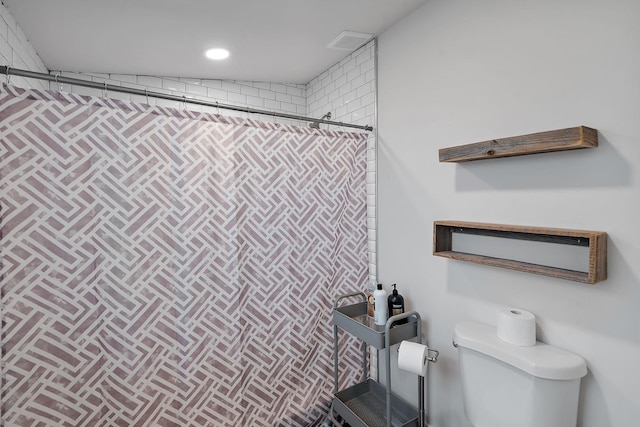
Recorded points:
(505, 385)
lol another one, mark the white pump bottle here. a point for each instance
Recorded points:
(380, 314)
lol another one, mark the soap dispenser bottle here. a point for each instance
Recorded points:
(396, 304)
(380, 314)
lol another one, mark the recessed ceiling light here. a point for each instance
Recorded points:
(217, 53)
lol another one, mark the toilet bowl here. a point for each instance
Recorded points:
(506, 385)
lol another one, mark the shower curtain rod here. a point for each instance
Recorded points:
(143, 92)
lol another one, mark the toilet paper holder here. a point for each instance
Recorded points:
(429, 357)
(434, 358)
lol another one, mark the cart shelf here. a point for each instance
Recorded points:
(364, 405)
(354, 320)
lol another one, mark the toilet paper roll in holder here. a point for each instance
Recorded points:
(421, 379)
(428, 357)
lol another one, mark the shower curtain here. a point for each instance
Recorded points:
(163, 267)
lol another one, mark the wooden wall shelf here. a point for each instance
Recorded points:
(541, 142)
(596, 241)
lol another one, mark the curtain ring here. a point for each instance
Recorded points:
(146, 93)
(217, 108)
(58, 83)
(104, 93)
(8, 77)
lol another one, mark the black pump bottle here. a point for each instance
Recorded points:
(396, 304)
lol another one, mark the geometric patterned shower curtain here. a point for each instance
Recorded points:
(170, 268)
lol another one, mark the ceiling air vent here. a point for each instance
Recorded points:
(349, 40)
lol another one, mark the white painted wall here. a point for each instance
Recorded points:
(457, 72)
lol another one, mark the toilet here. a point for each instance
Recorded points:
(506, 385)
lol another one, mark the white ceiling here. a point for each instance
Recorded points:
(281, 41)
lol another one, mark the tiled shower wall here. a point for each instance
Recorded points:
(283, 98)
(17, 52)
(347, 90)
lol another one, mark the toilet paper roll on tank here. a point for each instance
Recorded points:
(517, 327)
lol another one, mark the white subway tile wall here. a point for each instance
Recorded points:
(347, 90)
(262, 96)
(16, 51)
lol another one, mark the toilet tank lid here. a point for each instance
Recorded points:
(541, 360)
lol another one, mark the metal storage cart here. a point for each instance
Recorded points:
(368, 403)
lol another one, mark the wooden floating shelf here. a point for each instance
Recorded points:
(541, 142)
(596, 241)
